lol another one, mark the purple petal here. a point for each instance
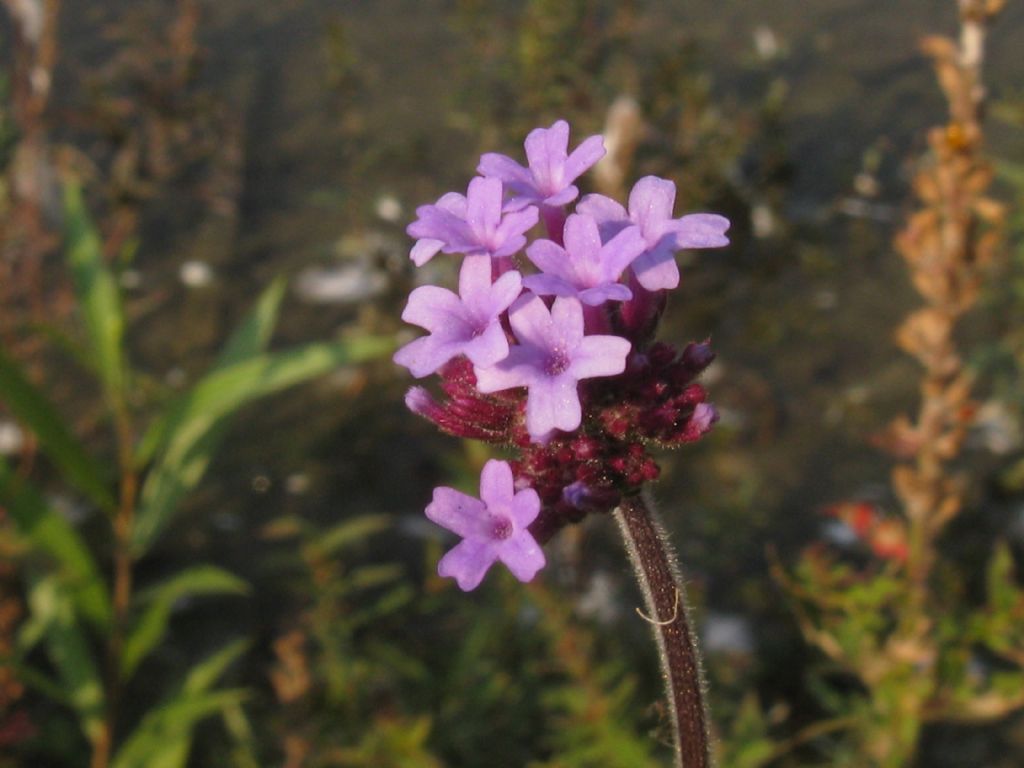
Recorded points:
(525, 507)
(656, 270)
(581, 238)
(531, 321)
(651, 202)
(424, 250)
(510, 232)
(550, 285)
(437, 224)
(553, 403)
(453, 203)
(549, 257)
(599, 356)
(562, 196)
(567, 321)
(425, 355)
(503, 167)
(522, 555)
(475, 280)
(598, 295)
(458, 513)
(546, 154)
(431, 306)
(583, 157)
(496, 483)
(704, 415)
(604, 210)
(484, 207)
(619, 252)
(516, 370)
(468, 562)
(505, 290)
(524, 197)
(701, 230)
(488, 348)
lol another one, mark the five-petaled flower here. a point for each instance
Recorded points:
(548, 179)
(551, 357)
(584, 268)
(471, 225)
(493, 528)
(468, 324)
(650, 208)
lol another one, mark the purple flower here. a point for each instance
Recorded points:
(650, 208)
(467, 324)
(493, 528)
(551, 357)
(548, 180)
(584, 268)
(472, 225)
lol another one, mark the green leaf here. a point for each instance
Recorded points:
(248, 340)
(1003, 593)
(31, 407)
(97, 293)
(195, 431)
(253, 335)
(69, 650)
(207, 672)
(151, 625)
(48, 531)
(349, 532)
(164, 737)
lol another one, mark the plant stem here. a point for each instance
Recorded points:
(657, 574)
(123, 526)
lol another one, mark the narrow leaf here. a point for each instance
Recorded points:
(253, 335)
(207, 672)
(350, 532)
(196, 430)
(248, 340)
(69, 650)
(151, 625)
(32, 408)
(164, 737)
(47, 531)
(97, 293)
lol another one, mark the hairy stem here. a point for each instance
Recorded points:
(657, 574)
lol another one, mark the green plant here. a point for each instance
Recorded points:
(96, 630)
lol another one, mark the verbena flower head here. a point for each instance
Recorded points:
(548, 348)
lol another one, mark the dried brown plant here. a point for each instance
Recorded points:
(948, 244)
(891, 625)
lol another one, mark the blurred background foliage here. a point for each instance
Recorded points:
(212, 549)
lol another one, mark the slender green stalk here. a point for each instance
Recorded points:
(657, 574)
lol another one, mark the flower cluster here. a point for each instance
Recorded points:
(559, 364)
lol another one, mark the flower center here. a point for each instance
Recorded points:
(501, 527)
(557, 362)
(478, 327)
